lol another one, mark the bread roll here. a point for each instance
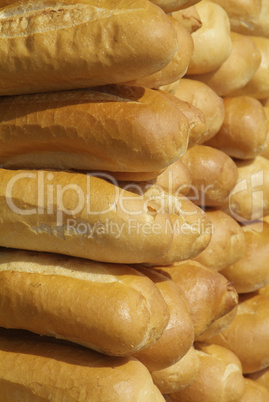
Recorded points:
(249, 17)
(249, 200)
(112, 309)
(45, 130)
(258, 86)
(212, 42)
(214, 175)
(170, 88)
(178, 335)
(204, 98)
(172, 5)
(237, 70)
(227, 244)
(208, 293)
(85, 216)
(34, 369)
(244, 129)
(247, 336)
(175, 179)
(109, 44)
(250, 273)
(195, 117)
(177, 67)
(219, 325)
(265, 153)
(220, 377)
(261, 377)
(189, 18)
(178, 376)
(255, 392)
(190, 227)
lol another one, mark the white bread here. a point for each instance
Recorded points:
(46, 130)
(189, 18)
(88, 217)
(249, 199)
(208, 293)
(249, 17)
(255, 392)
(110, 308)
(109, 44)
(212, 42)
(237, 70)
(214, 174)
(244, 129)
(178, 376)
(258, 86)
(79, 215)
(261, 377)
(204, 98)
(178, 335)
(37, 369)
(227, 244)
(177, 67)
(247, 335)
(219, 325)
(250, 273)
(172, 5)
(220, 377)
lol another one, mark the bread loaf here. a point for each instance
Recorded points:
(250, 273)
(208, 293)
(214, 174)
(189, 18)
(220, 377)
(178, 335)
(247, 336)
(80, 215)
(237, 70)
(244, 129)
(249, 199)
(177, 66)
(247, 17)
(254, 392)
(227, 244)
(45, 130)
(110, 308)
(109, 44)
(212, 42)
(204, 98)
(34, 368)
(258, 86)
(178, 376)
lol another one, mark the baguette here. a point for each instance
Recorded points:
(110, 308)
(109, 44)
(247, 335)
(254, 392)
(227, 244)
(212, 42)
(81, 216)
(36, 369)
(214, 175)
(204, 98)
(208, 293)
(44, 131)
(244, 129)
(220, 377)
(178, 376)
(177, 66)
(237, 70)
(178, 335)
(250, 273)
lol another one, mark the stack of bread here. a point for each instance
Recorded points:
(134, 190)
